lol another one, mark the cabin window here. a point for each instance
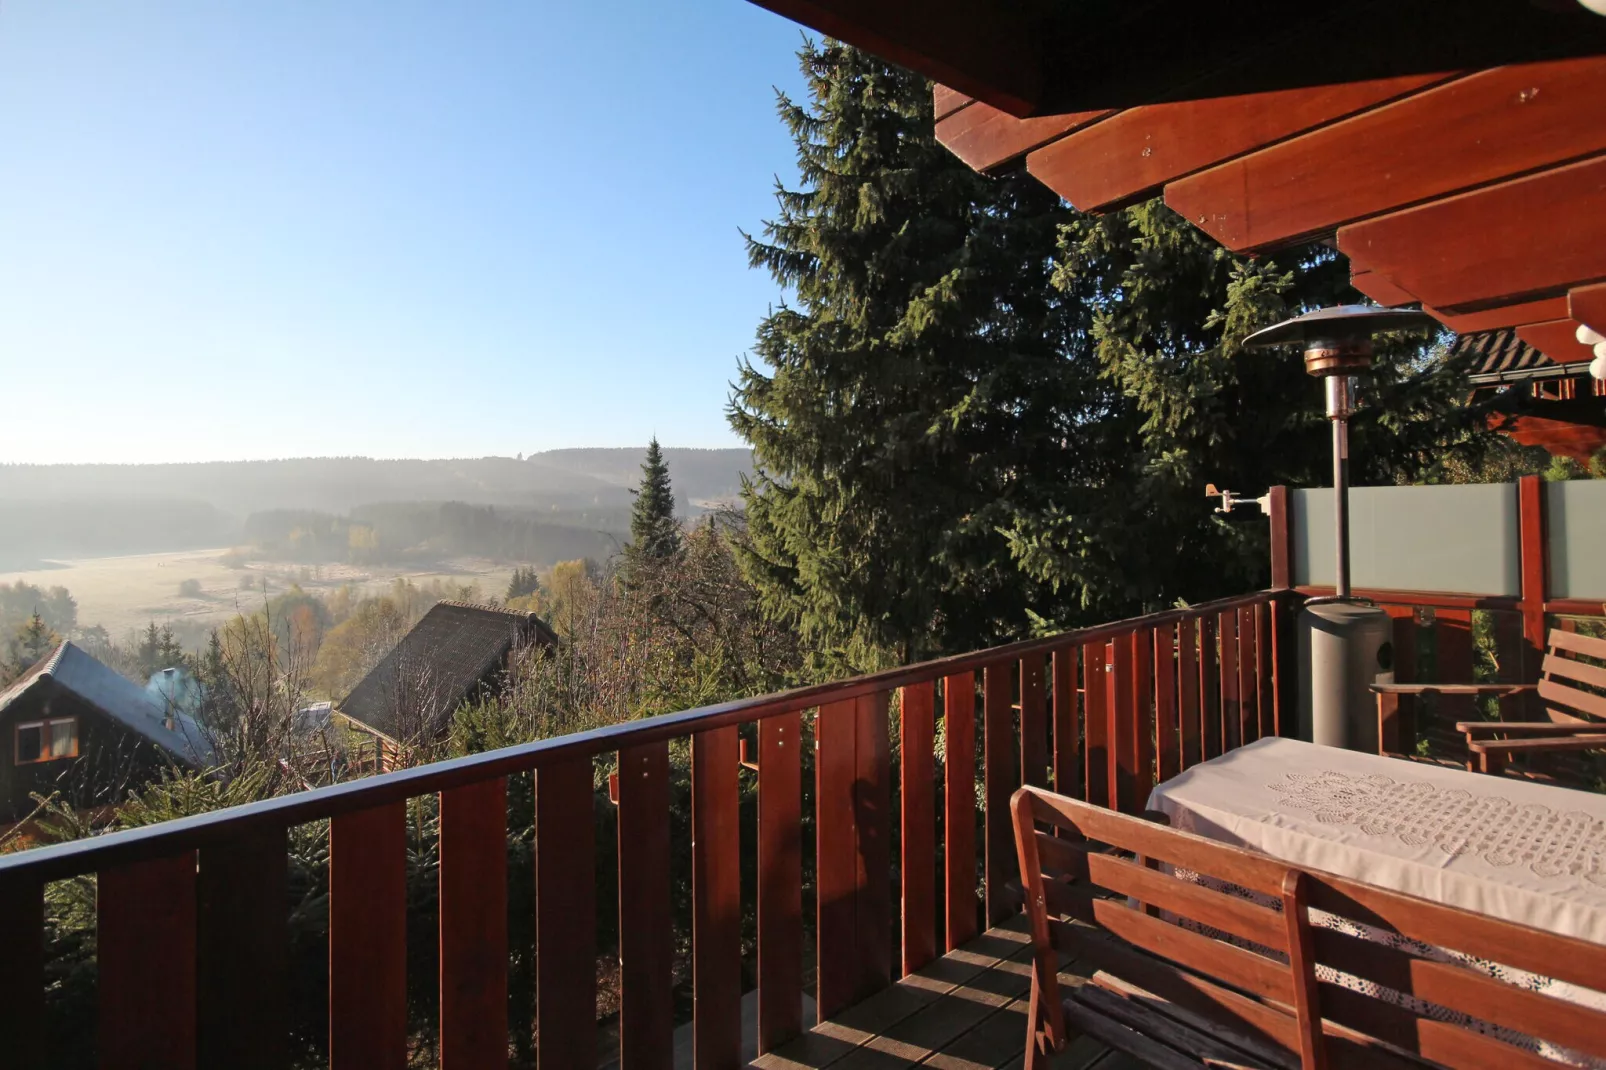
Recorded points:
(45, 741)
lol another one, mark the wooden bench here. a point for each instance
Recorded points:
(1572, 687)
(1193, 974)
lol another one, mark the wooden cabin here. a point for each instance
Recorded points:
(76, 726)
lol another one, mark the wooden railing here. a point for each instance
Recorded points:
(191, 914)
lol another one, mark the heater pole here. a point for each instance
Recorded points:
(1341, 504)
(1340, 404)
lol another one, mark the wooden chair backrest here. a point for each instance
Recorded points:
(1134, 898)
(1151, 905)
(1572, 678)
(1444, 959)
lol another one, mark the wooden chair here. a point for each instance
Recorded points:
(1576, 714)
(1440, 956)
(1094, 892)
(1191, 975)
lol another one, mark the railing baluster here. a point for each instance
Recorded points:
(1452, 661)
(1188, 690)
(780, 880)
(918, 839)
(473, 925)
(1033, 722)
(646, 925)
(1265, 662)
(998, 760)
(1165, 702)
(836, 857)
(1067, 726)
(566, 915)
(872, 796)
(1144, 719)
(1096, 714)
(1124, 725)
(1231, 708)
(368, 938)
(1211, 721)
(716, 900)
(22, 976)
(1248, 677)
(242, 953)
(959, 807)
(145, 942)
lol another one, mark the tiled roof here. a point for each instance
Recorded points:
(450, 653)
(1499, 352)
(135, 708)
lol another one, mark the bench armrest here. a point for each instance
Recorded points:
(1450, 689)
(1526, 728)
(1596, 741)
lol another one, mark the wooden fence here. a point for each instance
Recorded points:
(191, 914)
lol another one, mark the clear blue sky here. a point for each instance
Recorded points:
(266, 228)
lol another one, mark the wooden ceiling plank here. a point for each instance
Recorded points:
(1137, 151)
(946, 101)
(1502, 316)
(1556, 339)
(1587, 304)
(986, 138)
(994, 54)
(1531, 237)
(1466, 133)
(1382, 289)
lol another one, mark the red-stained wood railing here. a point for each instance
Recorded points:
(1100, 713)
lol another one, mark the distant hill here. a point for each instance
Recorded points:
(699, 476)
(53, 511)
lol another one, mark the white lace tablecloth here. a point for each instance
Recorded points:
(1512, 849)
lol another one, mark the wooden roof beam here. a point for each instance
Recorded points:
(1385, 291)
(1134, 153)
(1530, 238)
(1468, 132)
(1501, 316)
(1587, 304)
(1556, 339)
(987, 139)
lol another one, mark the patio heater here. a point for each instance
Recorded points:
(1345, 643)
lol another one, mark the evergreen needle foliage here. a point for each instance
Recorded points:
(654, 531)
(982, 412)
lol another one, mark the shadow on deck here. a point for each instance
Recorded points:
(966, 1011)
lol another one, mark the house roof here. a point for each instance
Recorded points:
(75, 670)
(1504, 357)
(448, 654)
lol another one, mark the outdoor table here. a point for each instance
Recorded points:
(1512, 849)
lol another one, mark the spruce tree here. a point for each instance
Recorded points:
(654, 532)
(917, 376)
(31, 642)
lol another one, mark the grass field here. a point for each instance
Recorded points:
(123, 593)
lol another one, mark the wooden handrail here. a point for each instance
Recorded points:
(60, 861)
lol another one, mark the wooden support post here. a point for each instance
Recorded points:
(780, 880)
(1282, 538)
(919, 828)
(22, 982)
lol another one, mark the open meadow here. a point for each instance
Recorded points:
(123, 593)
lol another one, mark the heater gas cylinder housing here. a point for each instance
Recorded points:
(1344, 647)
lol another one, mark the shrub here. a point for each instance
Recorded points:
(189, 589)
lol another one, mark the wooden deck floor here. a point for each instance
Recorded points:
(966, 1011)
